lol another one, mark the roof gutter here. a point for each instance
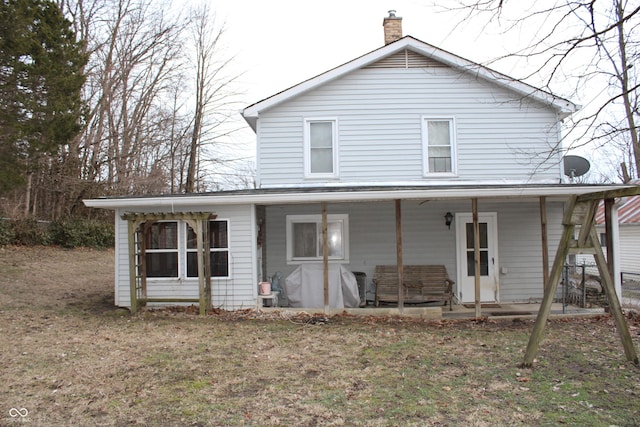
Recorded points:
(275, 198)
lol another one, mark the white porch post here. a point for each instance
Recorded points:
(545, 242)
(476, 256)
(325, 258)
(399, 256)
(612, 232)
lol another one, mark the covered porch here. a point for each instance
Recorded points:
(496, 247)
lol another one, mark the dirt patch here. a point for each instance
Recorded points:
(69, 357)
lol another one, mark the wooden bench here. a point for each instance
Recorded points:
(422, 283)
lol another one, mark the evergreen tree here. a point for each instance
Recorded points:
(41, 76)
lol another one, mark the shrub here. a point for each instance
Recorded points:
(7, 234)
(77, 233)
(30, 232)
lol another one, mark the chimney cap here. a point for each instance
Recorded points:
(392, 13)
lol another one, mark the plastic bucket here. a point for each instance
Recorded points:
(265, 288)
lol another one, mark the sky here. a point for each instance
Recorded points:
(279, 43)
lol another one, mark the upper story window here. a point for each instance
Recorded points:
(439, 148)
(304, 238)
(321, 148)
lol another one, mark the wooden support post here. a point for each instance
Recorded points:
(207, 264)
(399, 256)
(199, 222)
(325, 258)
(141, 258)
(476, 257)
(550, 290)
(587, 223)
(545, 242)
(608, 229)
(581, 210)
(199, 230)
(614, 303)
(132, 266)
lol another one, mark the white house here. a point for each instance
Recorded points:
(386, 145)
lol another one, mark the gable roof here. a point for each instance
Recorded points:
(563, 106)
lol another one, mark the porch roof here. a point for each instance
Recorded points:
(337, 194)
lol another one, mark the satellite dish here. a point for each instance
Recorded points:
(575, 166)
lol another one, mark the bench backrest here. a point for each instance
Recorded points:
(427, 275)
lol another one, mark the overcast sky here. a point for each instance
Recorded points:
(280, 43)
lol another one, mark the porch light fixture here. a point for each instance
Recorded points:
(448, 217)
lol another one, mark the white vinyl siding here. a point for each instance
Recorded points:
(237, 291)
(427, 240)
(629, 249)
(498, 135)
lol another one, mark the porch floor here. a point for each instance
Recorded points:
(521, 310)
(437, 311)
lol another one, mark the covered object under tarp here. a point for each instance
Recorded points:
(305, 287)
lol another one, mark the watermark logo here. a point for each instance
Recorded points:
(19, 414)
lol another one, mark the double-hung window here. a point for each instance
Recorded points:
(161, 249)
(218, 250)
(305, 242)
(321, 148)
(171, 250)
(439, 148)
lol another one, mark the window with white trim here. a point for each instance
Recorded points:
(321, 148)
(171, 250)
(218, 250)
(304, 238)
(438, 141)
(161, 249)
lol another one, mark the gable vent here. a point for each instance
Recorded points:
(406, 59)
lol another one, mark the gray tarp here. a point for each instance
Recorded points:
(305, 287)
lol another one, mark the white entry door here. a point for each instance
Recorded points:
(489, 284)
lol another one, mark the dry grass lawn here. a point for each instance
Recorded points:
(68, 357)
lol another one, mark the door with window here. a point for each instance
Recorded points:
(489, 279)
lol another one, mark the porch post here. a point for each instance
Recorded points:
(615, 248)
(399, 259)
(476, 256)
(325, 257)
(608, 229)
(132, 265)
(201, 260)
(545, 242)
(207, 263)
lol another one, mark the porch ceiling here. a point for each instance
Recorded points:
(336, 194)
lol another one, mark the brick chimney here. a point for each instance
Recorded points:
(392, 27)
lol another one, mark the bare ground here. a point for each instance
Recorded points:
(69, 357)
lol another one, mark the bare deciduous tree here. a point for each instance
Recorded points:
(591, 45)
(160, 107)
(214, 92)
